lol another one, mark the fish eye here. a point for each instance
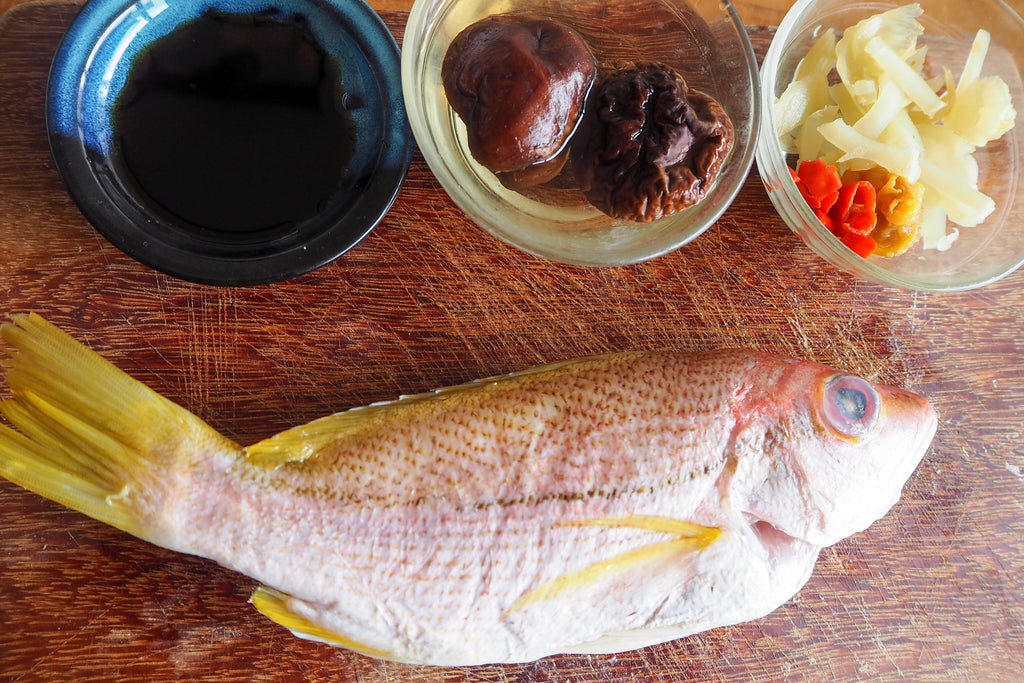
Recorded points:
(851, 405)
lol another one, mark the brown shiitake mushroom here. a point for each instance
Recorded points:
(648, 146)
(519, 83)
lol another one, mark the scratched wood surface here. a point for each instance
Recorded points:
(932, 592)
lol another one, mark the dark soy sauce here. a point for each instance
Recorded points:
(235, 123)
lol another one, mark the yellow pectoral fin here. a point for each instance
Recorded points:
(273, 605)
(664, 525)
(688, 538)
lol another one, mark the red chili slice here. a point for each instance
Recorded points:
(819, 183)
(862, 245)
(848, 211)
(854, 210)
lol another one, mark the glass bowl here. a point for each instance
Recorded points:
(703, 39)
(980, 254)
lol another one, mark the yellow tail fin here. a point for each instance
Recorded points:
(85, 434)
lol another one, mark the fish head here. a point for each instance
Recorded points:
(822, 454)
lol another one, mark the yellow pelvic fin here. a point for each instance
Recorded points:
(274, 605)
(687, 538)
(84, 433)
(664, 525)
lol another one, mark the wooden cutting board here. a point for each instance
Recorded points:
(932, 592)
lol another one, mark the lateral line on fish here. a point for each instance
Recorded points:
(689, 537)
(325, 493)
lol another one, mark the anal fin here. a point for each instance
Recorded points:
(274, 605)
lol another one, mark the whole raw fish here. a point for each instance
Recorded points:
(593, 505)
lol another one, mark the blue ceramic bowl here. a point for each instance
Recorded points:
(88, 73)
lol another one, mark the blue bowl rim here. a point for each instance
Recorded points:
(136, 234)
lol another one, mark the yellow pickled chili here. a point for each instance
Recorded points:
(898, 203)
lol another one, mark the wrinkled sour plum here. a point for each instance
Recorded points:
(519, 83)
(648, 146)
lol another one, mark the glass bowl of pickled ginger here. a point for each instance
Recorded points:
(889, 138)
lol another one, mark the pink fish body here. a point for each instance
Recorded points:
(594, 505)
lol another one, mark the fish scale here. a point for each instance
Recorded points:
(382, 451)
(593, 505)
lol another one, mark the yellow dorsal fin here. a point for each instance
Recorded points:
(308, 440)
(687, 538)
(297, 444)
(274, 605)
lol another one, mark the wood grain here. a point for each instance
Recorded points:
(933, 592)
